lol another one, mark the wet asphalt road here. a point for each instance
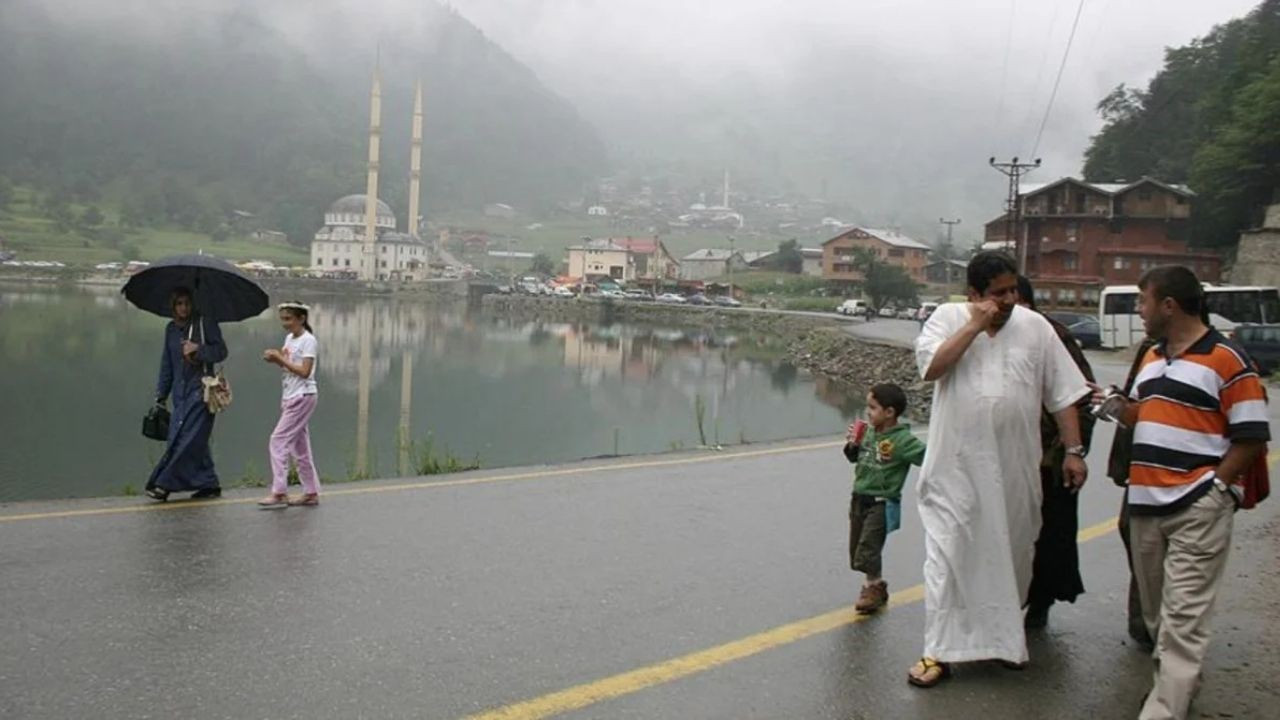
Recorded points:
(438, 601)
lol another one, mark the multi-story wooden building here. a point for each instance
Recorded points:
(1078, 237)
(839, 262)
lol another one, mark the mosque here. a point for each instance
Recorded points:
(338, 247)
(360, 238)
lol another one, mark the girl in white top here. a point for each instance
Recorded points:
(292, 437)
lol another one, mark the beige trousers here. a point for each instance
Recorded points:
(1178, 561)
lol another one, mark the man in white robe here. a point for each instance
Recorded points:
(994, 364)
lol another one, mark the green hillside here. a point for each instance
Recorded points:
(168, 135)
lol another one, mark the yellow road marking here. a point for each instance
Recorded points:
(580, 696)
(428, 484)
(576, 698)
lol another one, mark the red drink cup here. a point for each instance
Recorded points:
(859, 430)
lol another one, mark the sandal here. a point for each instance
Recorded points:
(157, 494)
(308, 500)
(928, 672)
(274, 501)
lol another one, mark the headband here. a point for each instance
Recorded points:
(294, 306)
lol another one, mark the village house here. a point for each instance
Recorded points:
(946, 272)
(767, 260)
(710, 263)
(596, 260)
(622, 259)
(889, 247)
(1078, 237)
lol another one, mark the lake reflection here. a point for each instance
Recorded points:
(79, 366)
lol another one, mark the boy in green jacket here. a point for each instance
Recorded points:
(883, 454)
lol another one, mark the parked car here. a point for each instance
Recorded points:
(638, 295)
(887, 312)
(725, 301)
(1262, 342)
(699, 299)
(615, 294)
(673, 298)
(908, 313)
(1084, 328)
(926, 311)
(563, 291)
(853, 308)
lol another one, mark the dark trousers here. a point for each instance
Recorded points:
(1055, 574)
(866, 534)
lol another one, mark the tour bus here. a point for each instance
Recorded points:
(1229, 306)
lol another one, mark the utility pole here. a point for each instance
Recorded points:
(1013, 209)
(731, 239)
(950, 224)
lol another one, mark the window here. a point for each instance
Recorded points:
(895, 253)
(348, 262)
(1119, 263)
(319, 261)
(1121, 304)
(384, 262)
(1071, 262)
(384, 251)
(1144, 194)
(1073, 231)
(335, 262)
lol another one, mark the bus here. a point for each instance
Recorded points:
(1229, 306)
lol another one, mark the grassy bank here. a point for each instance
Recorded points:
(33, 236)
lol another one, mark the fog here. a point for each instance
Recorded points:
(888, 108)
(878, 98)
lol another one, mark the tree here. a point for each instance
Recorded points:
(6, 192)
(91, 217)
(887, 283)
(1238, 171)
(1202, 120)
(543, 265)
(788, 258)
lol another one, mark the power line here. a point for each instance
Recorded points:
(1004, 70)
(1061, 67)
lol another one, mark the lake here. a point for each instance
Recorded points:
(78, 368)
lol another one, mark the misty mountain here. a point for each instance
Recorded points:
(182, 112)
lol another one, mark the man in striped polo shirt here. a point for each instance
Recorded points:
(1199, 418)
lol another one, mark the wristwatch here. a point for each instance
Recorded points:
(1077, 450)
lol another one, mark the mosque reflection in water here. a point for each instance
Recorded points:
(671, 366)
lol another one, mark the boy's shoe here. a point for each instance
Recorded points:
(874, 596)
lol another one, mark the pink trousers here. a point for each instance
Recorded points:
(292, 439)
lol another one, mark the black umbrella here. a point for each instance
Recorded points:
(222, 292)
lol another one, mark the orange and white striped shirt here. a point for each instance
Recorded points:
(1192, 407)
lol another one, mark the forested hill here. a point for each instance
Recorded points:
(177, 118)
(1209, 118)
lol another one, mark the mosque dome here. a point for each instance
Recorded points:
(349, 210)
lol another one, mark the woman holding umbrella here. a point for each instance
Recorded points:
(191, 344)
(197, 292)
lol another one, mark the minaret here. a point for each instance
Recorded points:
(415, 162)
(726, 188)
(368, 262)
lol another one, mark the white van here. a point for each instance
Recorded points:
(853, 308)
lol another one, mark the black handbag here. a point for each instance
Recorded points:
(155, 424)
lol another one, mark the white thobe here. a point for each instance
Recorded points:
(979, 490)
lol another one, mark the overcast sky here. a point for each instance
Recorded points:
(583, 48)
